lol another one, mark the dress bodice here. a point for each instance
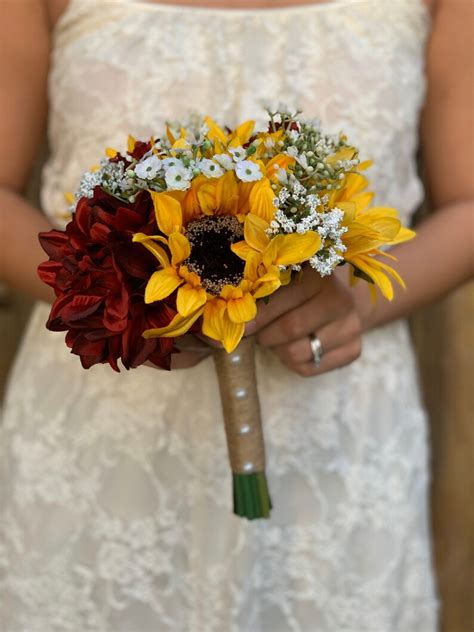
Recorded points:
(121, 66)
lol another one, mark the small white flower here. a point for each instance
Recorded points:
(302, 160)
(293, 134)
(238, 153)
(178, 178)
(282, 176)
(148, 168)
(225, 161)
(209, 168)
(171, 162)
(248, 171)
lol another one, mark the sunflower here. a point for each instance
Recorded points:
(214, 252)
(368, 229)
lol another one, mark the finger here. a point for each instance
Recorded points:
(335, 334)
(310, 317)
(335, 359)
(192, 343)
(186, 360)
(287, 298)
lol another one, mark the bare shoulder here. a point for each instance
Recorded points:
(448, 116)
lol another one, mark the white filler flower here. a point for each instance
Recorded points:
(248, 171)
(172, 162)
(178, 178)
(210, 168)
(238, 153)
(148, 168)
(225, 161)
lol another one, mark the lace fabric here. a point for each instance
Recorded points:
(116, 507)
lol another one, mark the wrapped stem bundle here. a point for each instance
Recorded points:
(243, 428)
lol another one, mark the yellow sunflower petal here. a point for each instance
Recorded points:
(231, 291)
(190, 200)
(285, 250)
(353, 183)
(245, 189)
(177, 327)
(241, 249)
(388, 270)
(253, 261)
(215, 132)
(367, 265)
(362, 200)
(227, 194)
(267, 284)
(149, 242)
(254, 232)
(404, 234)
(244, 132)
(161, 284)
(346, 153)
(181, 143)
(387, 227)
(212, 318)
(241, 310)
(261, 200)
(359, 239)
(131, 142)
(169, 135)
(282, 161)
(180, 248)
(206, 195)
(190, 299)
(232, 333)
(285, 276)
(169, 214)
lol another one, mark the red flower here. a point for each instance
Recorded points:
(99, 277)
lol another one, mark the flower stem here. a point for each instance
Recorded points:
(251, 497)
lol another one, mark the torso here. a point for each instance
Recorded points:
(57, 7)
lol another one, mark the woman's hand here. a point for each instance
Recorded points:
(323, 307)
(193, 350)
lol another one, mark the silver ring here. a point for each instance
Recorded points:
(316, 349)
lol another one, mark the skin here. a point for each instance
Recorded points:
(439, 260)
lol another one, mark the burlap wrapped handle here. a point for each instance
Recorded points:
(243, 426)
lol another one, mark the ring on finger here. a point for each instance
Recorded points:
(316, 349)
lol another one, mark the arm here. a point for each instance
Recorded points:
(437, 261)
(442, 256)
(24, 58)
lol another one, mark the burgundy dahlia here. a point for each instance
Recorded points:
(99, 277)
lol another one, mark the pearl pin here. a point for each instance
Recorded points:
(244, 429)
(240, 393)
(248, 467)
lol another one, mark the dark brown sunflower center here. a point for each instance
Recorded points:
(211, 257)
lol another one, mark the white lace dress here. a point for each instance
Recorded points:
(116, 502)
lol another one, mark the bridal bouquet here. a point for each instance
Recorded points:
(184, 233)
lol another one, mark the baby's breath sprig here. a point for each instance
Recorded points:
(322, 160)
